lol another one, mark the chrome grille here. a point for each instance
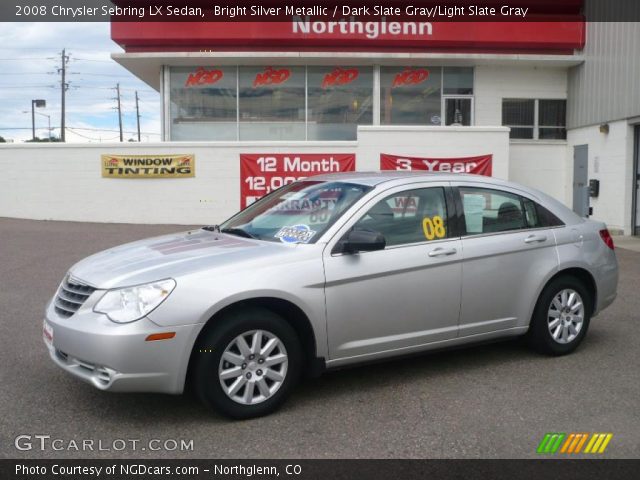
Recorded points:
(71, 296)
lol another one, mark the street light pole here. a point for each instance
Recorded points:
(33, 120)
(40, 104)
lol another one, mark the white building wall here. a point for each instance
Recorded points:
(64, 182)
(541, 165)
(493, 83)
(611, 162)
(433, 142)
(538, 164)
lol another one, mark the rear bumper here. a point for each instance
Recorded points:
(117, 357)
(606, 283)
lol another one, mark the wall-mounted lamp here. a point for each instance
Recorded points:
(604, 128)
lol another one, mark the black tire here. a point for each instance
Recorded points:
(539, 336)
(210, 347)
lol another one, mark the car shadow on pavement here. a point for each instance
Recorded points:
(334, 386)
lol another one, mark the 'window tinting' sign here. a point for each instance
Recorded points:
(148, 166)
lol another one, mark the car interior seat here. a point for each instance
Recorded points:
(509, 217)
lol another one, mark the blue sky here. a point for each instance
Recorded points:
(29, 58)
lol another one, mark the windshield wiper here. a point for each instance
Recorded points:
(238, 231)
(211, 228)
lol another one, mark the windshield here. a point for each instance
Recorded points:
(296, 213)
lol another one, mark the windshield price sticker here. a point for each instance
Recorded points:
(295, 234)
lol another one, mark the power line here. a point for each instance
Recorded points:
(27, 86)
(85, 49)
(90, 60)
(102, 87)
(91, 138)
(19, 59)
(26, 73)
(105, 75)
(85, 128)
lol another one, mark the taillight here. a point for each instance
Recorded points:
(606, 238)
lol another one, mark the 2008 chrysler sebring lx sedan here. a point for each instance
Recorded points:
(330, 271)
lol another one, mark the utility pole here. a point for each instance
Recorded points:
(138, 114)
(119, 108)
(63, 87)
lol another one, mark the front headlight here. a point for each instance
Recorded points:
(124, 305)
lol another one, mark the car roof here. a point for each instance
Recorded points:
(375, 178)
(394, 178)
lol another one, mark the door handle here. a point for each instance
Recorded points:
(535, 239)
(441, 252)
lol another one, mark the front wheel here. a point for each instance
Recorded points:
(561, 317)
(247, 364)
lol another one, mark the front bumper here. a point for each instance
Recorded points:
(116, 357)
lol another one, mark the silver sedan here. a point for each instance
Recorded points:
(331, 271)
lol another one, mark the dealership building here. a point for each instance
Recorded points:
(553, 104)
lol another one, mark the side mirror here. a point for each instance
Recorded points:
(361, 241)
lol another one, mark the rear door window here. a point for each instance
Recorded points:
(490, 211)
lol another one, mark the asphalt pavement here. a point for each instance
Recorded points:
(490, 401)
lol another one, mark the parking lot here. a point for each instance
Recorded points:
(488, 401)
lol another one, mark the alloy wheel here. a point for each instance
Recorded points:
(565, 316)
(253, 367)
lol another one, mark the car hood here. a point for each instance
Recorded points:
(170, 256)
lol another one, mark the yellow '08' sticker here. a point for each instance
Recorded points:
(433, 227)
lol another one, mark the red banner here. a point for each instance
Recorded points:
(480, 165)
(260, 173)
(350, 34)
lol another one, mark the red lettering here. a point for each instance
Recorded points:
(270, 76)
(203, 77)
(410, 76)
(339, 76)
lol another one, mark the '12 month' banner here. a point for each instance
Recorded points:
(262, 173)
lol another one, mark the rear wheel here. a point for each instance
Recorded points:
(247, 364)
(561, 317)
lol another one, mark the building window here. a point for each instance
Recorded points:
(458, 81)
(230, 103)
(535, 119)
(552, 119)
(458, 111)
(426, 96)
(411, 96)
(203, 103)
(272, 103)
(339, 99)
